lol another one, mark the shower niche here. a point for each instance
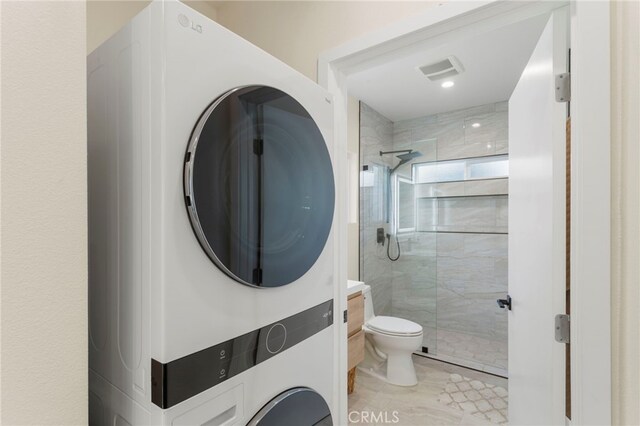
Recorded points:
(438, 188)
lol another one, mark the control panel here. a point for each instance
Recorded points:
(178, 380)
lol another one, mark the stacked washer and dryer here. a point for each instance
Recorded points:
(211, 209)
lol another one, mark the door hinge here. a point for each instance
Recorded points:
(344, 314)
(563, 328)
(563, 87)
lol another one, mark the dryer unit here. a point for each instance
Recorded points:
(211, 209)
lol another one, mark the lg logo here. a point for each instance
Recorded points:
(187, 23)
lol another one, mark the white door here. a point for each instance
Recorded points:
(537, 233)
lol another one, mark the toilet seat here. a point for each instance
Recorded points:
(394, 326)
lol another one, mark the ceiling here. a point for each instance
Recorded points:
(493, 63)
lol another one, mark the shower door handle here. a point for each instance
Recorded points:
(505, 303)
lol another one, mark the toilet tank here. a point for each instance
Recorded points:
(368, 303)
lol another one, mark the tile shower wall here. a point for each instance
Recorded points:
(454, 263)
(460, 241)
(376, 134)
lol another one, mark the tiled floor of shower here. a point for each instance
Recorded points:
(476, 352)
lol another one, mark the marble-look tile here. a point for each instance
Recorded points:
(478, 149)
(414, 122)
(450, 135)
(487, 187)
(465, 314)
(467, 214)
(492, 127)
(467, 211)
(376, 134)
(501, 271)
(461, 114)
(485, 245)
(428, 147)
(479, 399)
(502, 212)
(450, 189)
(402, 138)
(502, 146)
(502, 106)
(489, 354)
(427, 214)
(421, 244)
(450, 245)
(420, 404)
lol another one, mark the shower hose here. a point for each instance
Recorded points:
(393, 259)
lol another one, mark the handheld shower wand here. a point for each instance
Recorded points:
(393, 259)
(405, 156)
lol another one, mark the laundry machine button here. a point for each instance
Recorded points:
(276, 338)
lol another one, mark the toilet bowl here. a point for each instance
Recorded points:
(390, 342)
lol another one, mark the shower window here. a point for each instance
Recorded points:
(491, 167)
(405, 201)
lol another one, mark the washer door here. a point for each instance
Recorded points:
(259, 186)
(295, 407)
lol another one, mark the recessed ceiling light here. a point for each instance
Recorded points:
(475, 125)
(448, 84)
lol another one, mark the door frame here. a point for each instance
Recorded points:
(590, 174)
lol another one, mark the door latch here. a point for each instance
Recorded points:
(563, 328)
(505, 303)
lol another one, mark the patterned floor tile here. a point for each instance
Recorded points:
(445, 395)
(482, 400)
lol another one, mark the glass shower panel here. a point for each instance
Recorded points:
(472, 274)
(449, 214)
(374, 198)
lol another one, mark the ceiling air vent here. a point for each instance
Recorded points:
(448, 67)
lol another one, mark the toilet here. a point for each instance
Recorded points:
(390, 342)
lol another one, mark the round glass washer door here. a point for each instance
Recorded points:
(300, 406)
(259, 186)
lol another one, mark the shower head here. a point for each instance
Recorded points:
(408, 155)
(405, 155)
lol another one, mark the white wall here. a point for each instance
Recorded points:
(625, 202)
(104, 18)
(43, 210)
(297, 31)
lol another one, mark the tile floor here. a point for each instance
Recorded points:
(477, 352)
(445, 395)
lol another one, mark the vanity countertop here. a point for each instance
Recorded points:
(354, 287)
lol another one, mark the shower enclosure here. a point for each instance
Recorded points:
(433, 228)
